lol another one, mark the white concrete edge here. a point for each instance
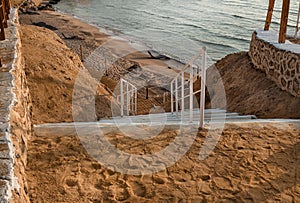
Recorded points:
(272, 38)
(14, 185)
(103, 125)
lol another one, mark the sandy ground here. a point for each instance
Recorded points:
(51, 69)
(251, 163)
(250, 92)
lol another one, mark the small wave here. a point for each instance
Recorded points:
(110, 6)
(215, 44)
(238, 16)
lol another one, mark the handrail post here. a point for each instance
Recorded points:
(135, 101)
(203, 85)
(122, 98)
(127, 99)
(172, 99)
(191, 93)
(176, 95)
(182, 96)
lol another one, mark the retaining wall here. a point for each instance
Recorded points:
(15, 125)
(280, 62)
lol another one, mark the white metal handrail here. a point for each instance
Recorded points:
(127, 98)
(179, 83)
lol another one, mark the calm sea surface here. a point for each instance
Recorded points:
(178, 27)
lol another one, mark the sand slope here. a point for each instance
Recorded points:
(250, 92)
(51, 70)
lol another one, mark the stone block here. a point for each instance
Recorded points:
(5, 169)
(2, 136)
(5, 79)
(4, 151)
(4, 115)
(3, 127)
(3, 190)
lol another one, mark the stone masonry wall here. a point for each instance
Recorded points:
(15, 125)
(281, 66)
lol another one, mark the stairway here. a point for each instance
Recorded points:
(210, 116)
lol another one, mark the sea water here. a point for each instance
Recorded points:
(181, 27)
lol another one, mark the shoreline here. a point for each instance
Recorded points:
(112, 33)
(115, 32)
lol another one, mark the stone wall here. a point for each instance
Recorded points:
(280, 65)
(15, 125)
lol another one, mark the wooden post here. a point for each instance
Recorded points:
(297, 24)
(270, 14)
(2, 32)
(284, 21)
(81, 53)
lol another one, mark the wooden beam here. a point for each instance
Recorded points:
(270, 14)
(297, 23)
(284, 21)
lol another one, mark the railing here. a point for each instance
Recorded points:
(127, 98)
(182, 88)
(4, 11)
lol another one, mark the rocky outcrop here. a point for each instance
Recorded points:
(280, 65)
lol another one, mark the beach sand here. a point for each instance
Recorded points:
(251, 162)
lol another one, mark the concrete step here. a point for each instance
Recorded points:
(210, 115)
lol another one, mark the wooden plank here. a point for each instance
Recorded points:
(269, 14)
(284, 21)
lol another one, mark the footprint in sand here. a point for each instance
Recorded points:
(159, 180)
(71, 182)
(120, 193)
(101, 185)
(96, 166)
(138, 189)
